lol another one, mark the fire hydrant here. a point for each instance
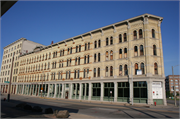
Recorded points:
(155, 103)
(4, 99)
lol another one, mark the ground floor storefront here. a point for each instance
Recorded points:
(115, 91)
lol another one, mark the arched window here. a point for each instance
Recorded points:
(71, 51)
(79, 61)
(74, 74)
(125, 38)
(99, 56)
(107, 55)
(111, 40)
(120, 38)
(95, 44)
(85, 46)
(140, 33)
(76, 61)
(98, 72)
(84, 59)
(120, 70)
(141, 50)
(76, 48)
(135, 51)
(106, 71)
(79, 48)
(84, 73)
(125, 70)
(154, 50)
(107, 41)
(120, 53)
(135, 34)
(68, 51)
(78, 74)
(69, 74)
(125, 52)
(111, 71)
(99, 43)
(111, 55)
(142, 68)
(60, 52)
(94, 57)
(155, 68)
(153, 33)
(94, 72)
(89, 46)
(136, 68)
(88, 59)
(63, 53)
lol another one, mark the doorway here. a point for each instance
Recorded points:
(66, 96)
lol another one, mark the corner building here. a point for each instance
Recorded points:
(100, 65)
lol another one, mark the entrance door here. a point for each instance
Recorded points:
(66, 96)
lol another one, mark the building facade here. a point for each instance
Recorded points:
(15, 49)
(172, 83)
(121, 62)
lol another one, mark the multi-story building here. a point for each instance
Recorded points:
(14, 49)
(172, 82)
(100, 65)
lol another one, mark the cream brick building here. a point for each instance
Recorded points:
(99, 65)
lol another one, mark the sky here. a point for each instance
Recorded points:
(46, 21)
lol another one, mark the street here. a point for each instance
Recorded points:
(86, 109)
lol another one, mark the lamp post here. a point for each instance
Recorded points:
(174, 85)
(131, 81)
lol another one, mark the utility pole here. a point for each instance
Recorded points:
(10, 79)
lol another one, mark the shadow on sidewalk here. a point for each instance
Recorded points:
(9, 110)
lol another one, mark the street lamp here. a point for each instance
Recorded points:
(131, 81)
(174, 85)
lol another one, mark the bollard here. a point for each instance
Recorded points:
(155, 103)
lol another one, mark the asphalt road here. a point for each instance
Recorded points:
(95, 110)
(169, 101)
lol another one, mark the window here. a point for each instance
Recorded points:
(79, 61)
(153, 33)
(125, 52)
(135, 51)
(86, 73)
(135, 34)
(84, 59)
(154, 50)
(107, 40)
(125, 70)
(136, 68)
(120, 53)
(98, 72)
(49, 56)
(107, 55)
(85, 46)
(71, 50)
(141, 50)
(125, 39)
(111, 71)
(99, 43)
(76, 61)
(106, 71)
(95, 44)
(88, 59)
(94, 72)
(99, 56)
(111, 40)
(140, 33)
(94, 57)
(120, 38)
(79, 48)
(155, 68)
(142, 68)
(76, 48)
(111, 55)
(68, 51)
(120, 70)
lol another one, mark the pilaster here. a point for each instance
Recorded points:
(90, 90)
(102, 91)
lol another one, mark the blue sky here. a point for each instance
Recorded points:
(45, 21)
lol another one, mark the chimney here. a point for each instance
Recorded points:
(51, 42)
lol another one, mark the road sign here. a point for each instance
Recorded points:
(6, 81)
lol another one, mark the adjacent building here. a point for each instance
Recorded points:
(15, 49)
(121, 62)
(172, 83)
